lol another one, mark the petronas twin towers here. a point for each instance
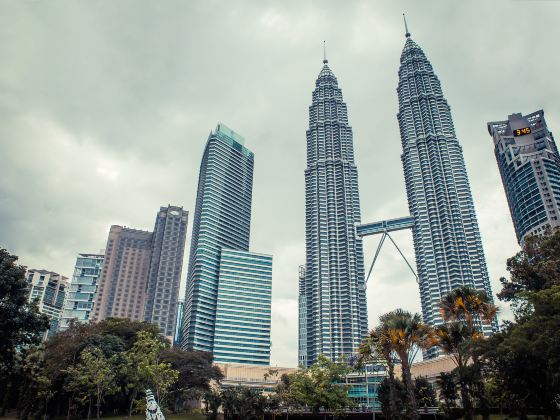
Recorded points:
(333, 312)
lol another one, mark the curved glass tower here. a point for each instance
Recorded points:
(333, 281)
(446, 235)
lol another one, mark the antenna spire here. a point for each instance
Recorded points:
(407, 34)
(325, 61)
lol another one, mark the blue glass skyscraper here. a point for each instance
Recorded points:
(530, 168)
(333, 283)
(446, 236)
(222, 221)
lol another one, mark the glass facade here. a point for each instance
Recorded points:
(222, 219)
(335, 318)
(529, 165)
(48, 289)
(82, 290)
(446, 236)
(242, 329)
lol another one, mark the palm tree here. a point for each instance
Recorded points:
(454, 339)
(377, 346)
(467, 305)
(406, 334)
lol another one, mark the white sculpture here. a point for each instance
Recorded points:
(153, 412)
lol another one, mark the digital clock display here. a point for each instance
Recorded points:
(521, 131)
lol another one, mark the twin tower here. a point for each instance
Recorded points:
(332, 301)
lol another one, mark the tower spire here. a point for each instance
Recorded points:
(407, 34)
(325, 61)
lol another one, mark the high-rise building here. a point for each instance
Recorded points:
(446, 236)
(81, 292)
(530, 168)
(122, 285)
(336, 313)
(221, 227)
(242, 329)
(48, 289)
(302, 319)
(164, 277)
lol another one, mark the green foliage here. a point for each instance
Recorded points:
(320, 386)
(20, 321)
(424, 392)
(396, 396)
(524, 360)
(242, 403)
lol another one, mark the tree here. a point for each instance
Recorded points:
(424, 392)
(524, 359)
(407, 334)
(376, 346)
(466, 304)
(447, 391)
(318, 387)
(195, 374)
(536, 267)
(20, 321)
(93, 378)
(391, 396)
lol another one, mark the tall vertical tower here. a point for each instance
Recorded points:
(530, 168)
(222, 219)
(336, 315)
(81, 292)
(446, 235)
(164, 277)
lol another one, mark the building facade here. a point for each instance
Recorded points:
(48, 289)
(446, 236)
(80, 296)
(334, 290)
(123, 281)
(222, 219)
(243, 313)
(530, 169)
(166, 263)
(302, 319)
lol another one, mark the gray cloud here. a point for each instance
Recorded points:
(105, 108)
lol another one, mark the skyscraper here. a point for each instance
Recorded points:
(166, 263)
(446, 236)
(242, 331)
(48, 289)
(81, 292)
(334, 291)
(121, 292)
(530, 168)
(222, 219)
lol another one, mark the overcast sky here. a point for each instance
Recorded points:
(105, 108)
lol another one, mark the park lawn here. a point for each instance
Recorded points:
(168, 417)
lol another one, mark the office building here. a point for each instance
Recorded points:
(122, 285)
(446, 236)
(166, 263)
(219, 257)
(48, 289)
(302, 319)
(334, 291)
(242, 329)
(81, 292)
(530, 168)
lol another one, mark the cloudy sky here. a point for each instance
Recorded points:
(105, 108)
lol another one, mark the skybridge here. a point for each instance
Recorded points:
(383, 227)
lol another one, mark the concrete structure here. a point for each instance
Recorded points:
(80, 296)
(446, 236)
(123, 281)
(220, 242)
(429, 369)
(334, 291)
(242, 330)
(48, 289)
(236, 374)
(529, 164)
(166, 263)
